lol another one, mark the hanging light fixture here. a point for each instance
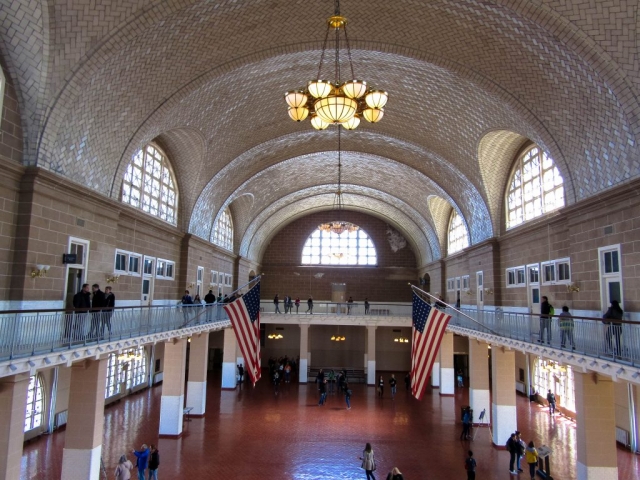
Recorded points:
(338, 226)
(337, 102)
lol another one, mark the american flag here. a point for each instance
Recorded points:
(429, 325)
(244, 314)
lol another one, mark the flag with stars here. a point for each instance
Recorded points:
(244, 314)
(429, 325)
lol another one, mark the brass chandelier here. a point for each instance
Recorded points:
(342, 103)
(338, 226)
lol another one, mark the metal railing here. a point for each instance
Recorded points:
(32, 332)
(340, 308)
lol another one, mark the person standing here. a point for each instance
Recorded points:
(240, 374)
(366, 305)
(614, 329)
(332, 380)
(466, 424)
(545, 319)
(323, 392)
(566, 327)
(123, 470)
(98, 302)
(470, 466)
(380, 386)
(407, 381)
(109, 303)
(368, 461)
(392, 384)
(154, 463)
(349, 305)
(297, 304)
(531, 456)
(81, 302)
(286, 304)
(520, 447)
(513, 451)
(347, 395)
(551, 398)
(187, 302)
(143, 459)
(395, 474)
(276, 302)
(209, 300)
(310, 306)
(460, 379)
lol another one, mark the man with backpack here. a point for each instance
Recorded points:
(512, 448)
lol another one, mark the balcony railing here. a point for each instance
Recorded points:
(341, 308)
(33, 332)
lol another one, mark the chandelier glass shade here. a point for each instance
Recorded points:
(336, 102)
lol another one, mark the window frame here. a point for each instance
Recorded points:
(554, 266)
(451, 284)
(37, 389)
(128, 255)
(516, 271)
(162, 200)
(214, 277)
(520, 190)
(323, 248)
(228, 279)
(223, 237)
(166, 264)
(455, 229)
(466, 282)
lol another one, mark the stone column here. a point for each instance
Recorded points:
(503, 405)
(435, 371)
(172, 400)
(197, 381)
(229, 359)
(13, 404)
(447, 372)
(479, 389)
(371, 354)
(304, 353)
(596, 427)
(83, 436)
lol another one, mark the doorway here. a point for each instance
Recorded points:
(148, 269)
(76, 272)
(533, 288)
(480, 290)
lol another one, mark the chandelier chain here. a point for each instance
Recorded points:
(324, 49)
(337, 57)
(346, 38)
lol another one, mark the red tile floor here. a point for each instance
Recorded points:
(254, 434)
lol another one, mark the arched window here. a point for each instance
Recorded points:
(223, 231)
(458, 235)
(128, 367)
(35, 403)
(536, 188)
(348, 248)
(149, 184)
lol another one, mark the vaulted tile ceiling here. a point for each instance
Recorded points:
(470, 83)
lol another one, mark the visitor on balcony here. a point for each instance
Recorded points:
(546, 313)
(349, 305)
(276, 302)
(209, 300)
(110, 303)
(297, 304)
(98, 302)
(566, 327)
(310, 306)
(614, 329)
(366, 305)
(81, 302)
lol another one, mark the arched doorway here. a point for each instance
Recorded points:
(252, 275)
(425, 281)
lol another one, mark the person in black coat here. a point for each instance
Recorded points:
(97, 304)
(154, 463)
(614, 328)
(109, 304)
(82, 303)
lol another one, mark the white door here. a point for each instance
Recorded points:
(76, 272)
(533, 287)
(148, 271)
(610, 276)
(199, 277)
(480, 290)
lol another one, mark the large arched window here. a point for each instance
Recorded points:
(536, 187)
(149, 184)
(223, 231)
(458, 235)
(348, 248)
(35, 403)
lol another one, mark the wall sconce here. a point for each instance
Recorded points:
(488, 291)
(275, 336)
(190, 286)
(401, 340)
(338, 338)
(573, 288)
(469, 292)
(113, 278)
(212, 286)
(40, 271)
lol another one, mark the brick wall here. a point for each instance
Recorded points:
(386, 282)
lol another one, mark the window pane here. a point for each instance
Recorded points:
(458, 235)
(348, 248)
(121, 262)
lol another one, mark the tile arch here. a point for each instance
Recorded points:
(440, 210)
(259, 240)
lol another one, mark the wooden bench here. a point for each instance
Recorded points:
(353, 375)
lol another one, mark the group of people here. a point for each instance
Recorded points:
(518, 449)
(612, 318)
(146, 459)
(392, 383)
(342, 385)
(281, 370)
(289, 303)
(369, 465)
(93, 304)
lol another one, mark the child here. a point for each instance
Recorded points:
(470, 466)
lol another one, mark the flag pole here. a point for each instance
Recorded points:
(413, 287)
(255, 279)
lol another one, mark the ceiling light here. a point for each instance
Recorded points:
(336, 102)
